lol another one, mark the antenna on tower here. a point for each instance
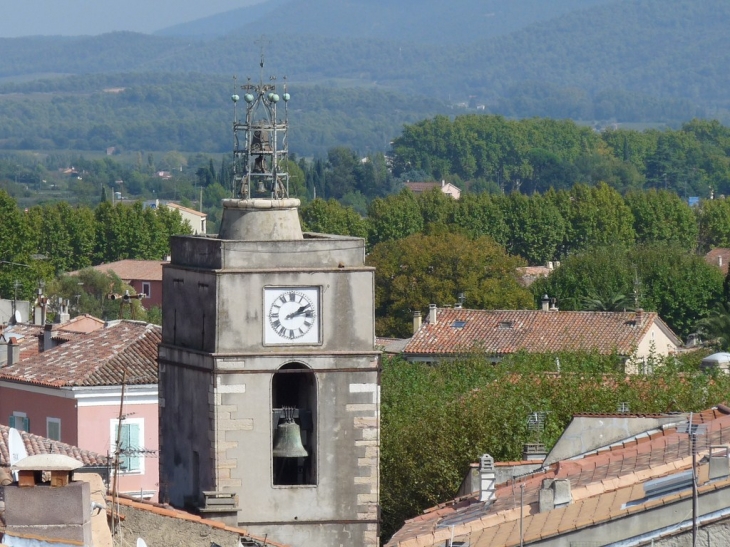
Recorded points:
(260, 141)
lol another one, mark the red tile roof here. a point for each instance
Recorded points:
(132, 270)
(507, 331)
(96, 359)
(719, 257)
(186, 209)
(167, 511)
(601, 482)
(35, 444)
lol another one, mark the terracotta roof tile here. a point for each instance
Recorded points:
(96, 359)
(601, 483)
(129, 270)
(34, 444)
(186, 209)
(507, 331)
(719, 257)
(167, 511)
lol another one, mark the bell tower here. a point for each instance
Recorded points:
(269, 389)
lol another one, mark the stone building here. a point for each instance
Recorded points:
(269, 382)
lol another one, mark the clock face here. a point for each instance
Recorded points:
(292, 315)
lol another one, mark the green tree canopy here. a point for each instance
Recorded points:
(419, 270)
(677, 284)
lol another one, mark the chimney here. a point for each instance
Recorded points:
(13, 351)
(534, 452)
(417, 320)
(487, 478)
(554, 493)
(63, 316)
(549, 265)
(719, 261)
(443, 183)
(553, 306)
(47, 338)
(639, 315)
(545, 302)
(432, 314)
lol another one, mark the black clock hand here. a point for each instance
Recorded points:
(300, 311)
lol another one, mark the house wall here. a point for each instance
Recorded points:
(95, 434)
(655, 341)
(155, 298)
(38, 404)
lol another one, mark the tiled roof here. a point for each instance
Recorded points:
(186, 210)
(35, 445)
(96, 359)
(719, 257)
(601, 481)
(167, 511)
(129, 270)
(507, 331)
(418, 187)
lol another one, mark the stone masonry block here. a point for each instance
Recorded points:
(370, 434)
(366, 443)
(360, 408)
(229, 483)
(364, 499)
(365, 422)
(245, 424)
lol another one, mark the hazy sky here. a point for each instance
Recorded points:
(74, 17)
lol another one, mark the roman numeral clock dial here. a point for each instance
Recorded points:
(292, 315)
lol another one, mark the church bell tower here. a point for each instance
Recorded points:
(269, 390)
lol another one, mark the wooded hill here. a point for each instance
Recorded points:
(627, 60)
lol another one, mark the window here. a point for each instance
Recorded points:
(20, 421)
(294, 439)
(146, 289)
(53, 429)
(131, 456)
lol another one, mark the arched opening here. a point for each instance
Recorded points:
(294, 439)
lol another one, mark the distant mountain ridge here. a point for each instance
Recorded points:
(621, 60)
(423, 21)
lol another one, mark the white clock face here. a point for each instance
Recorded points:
(291, 315)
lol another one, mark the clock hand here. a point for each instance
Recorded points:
(300, 311)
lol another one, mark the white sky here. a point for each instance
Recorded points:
(75, 17)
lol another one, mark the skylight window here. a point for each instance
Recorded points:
(506, 324)
(458, 324)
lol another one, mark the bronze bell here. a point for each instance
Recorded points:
(288, 441)
(260, 187)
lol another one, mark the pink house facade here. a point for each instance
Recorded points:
(72, 394)
(144, 276)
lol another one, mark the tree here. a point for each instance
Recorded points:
(88, 292)
(596, 216)
(679, 285)
(394, 217)
(437, 420)
(661, 216)
(535, 227)
(713, 218)
(419, 270)
(329, 217)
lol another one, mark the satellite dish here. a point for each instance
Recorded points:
(16, 448)
(18, 318)
(141, 542)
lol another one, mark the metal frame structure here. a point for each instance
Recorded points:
(261, 147)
